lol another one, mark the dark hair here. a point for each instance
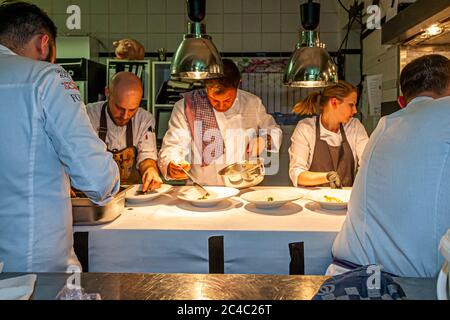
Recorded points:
(20, 21)
(428, 73)
(232, 75)
(309, 106)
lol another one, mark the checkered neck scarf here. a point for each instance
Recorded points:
(203, 125)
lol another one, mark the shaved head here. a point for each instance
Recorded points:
(124, 97)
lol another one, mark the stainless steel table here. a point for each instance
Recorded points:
(120, 286)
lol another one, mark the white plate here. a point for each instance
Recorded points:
(279, 197)
(218, 194)
(341, 194)
(132, 197)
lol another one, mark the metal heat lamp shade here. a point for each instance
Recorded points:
(196, 57)
(310, 64)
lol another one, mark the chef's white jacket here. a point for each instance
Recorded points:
(144, 138)
(400, 204)
(46, 139)
(303, 142)
(246, 113)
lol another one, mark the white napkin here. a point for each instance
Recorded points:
(18, 288)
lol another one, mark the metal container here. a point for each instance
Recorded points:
(243, 174)
(86, 213)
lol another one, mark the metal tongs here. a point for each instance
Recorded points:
(203, 192)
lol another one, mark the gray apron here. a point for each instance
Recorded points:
(125, 158)
(340, 159)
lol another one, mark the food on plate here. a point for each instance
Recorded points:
(269, 199)
(141, 193)
(204, 197)
(333, 199)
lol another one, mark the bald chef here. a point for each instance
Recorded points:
(128, 131)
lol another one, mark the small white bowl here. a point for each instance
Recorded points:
(218, 194)
(132, 196)
(341, 194)
(272, 198)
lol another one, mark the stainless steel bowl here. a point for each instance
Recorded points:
(243, 174)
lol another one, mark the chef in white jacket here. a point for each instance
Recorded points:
(47, 140)
(214, 127)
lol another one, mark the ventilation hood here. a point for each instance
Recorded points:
(424, 22)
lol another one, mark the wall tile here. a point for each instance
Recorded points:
(173, 41)
(118, 23)
(156, 6)
(175, 23)
(60, 6)
(288, 41)
(290, 6)
(176, 6)
(156, 23)
(99, 7)
(251, 6)
(45, 5)
(214, 6)
(331, 40)
(290, 22)
(137, 6)
(85, 5)
(137, 23)
(232, 6)
(271, 42)
(214, 23)
(271, 6)
(232, 23)
(329, 6)
(271, 23)
(251, 42)
(251, 23)
(99, 23)
(328, 22)
(118, 7)
(217, 39)
(105, 44)
(156, 41)
(232, 42)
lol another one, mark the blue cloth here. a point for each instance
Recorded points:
(400, 204)
(364, 283)
(46, 139)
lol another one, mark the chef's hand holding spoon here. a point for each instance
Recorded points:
(175, 172)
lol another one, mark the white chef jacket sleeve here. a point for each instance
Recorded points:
(361, 140)
(268, 125)
(146, 146)
(177, 141)
(299, 153)
(83, 155)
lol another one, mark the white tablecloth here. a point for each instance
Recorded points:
(168, 235)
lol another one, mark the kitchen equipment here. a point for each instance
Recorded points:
(85, 212)
(443, 283)
(135, 195)
(330, 199)
(201, 189)
(272, 198)
(217, 194)
(244, 174)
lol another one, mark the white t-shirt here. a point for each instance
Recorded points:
(303, 142)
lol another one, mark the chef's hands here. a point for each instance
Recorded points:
(174, 171)
(151, 180)
(256, 146)
(334, 180)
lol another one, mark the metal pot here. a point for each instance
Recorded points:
(244, 174)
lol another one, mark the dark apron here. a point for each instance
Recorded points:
(340, 159)
(125, 158)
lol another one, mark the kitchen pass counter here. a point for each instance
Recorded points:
(167, 235)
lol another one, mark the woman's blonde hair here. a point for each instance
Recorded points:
(315, 101)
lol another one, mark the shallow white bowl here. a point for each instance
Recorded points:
(218, 194)
(132, 197)
(280, 197)
(341, 194)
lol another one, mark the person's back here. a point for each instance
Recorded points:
(400, 204)
(46, 137)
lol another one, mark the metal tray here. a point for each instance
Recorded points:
(86, 213)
